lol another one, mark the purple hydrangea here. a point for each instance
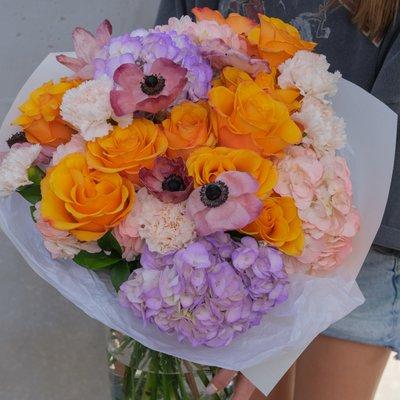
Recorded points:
(144, 47)
(209, 292)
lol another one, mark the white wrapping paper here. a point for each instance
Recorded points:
(265, 352)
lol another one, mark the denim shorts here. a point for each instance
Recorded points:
(377, 321)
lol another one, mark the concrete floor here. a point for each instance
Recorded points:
(48, 349)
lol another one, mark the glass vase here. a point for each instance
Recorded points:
(138, 373)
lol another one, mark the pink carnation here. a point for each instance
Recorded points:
(61, 244)
(166, 227)
(76, 145)
(325, 131)
(127, 234)
(218, 43)
(203, 31)
(322, 191)
(309, 72)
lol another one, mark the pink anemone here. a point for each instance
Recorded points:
(168, 180)
(151, 93)
(230, 203)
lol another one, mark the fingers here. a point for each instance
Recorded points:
(220, 381)
(243, 388)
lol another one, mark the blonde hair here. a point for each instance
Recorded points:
(374, 17)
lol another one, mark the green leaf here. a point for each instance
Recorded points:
(30, 193)
(119, 274)
(109, 243)
(35, 175)
(95, 261)
(32, 209)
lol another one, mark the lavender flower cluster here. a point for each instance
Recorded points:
(144, 47)
(208, 292)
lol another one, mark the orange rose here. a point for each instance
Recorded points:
(127, 149)
(205, 164)
(279, 225)
(188, 128)
(289, 97)
(85, 202)
(231, 77)
(277, 41)
(236, 22)
(40, 114)
(250, 118)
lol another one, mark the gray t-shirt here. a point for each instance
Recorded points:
(373, 66)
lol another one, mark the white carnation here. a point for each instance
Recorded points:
(88, 108)
(309, 73)
(325, 131)
(165, 227)
(14, 168)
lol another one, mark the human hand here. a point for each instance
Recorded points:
(243, 387)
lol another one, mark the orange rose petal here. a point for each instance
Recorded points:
(290, 132)
(88, 236)
(279, 225)
(51, 207)
(40, 114)
(222, 99)
(239, 23)
(205, 13)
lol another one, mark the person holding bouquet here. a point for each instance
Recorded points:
(361, 38)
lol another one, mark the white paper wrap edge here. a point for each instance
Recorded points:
(265, 352)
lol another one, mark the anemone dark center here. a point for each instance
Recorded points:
(173, 183)
(214, 194)
(17, 138)
(152, 84)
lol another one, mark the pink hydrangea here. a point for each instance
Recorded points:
(322, 191)
(320, 256)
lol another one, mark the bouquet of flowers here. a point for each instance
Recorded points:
(195, 166)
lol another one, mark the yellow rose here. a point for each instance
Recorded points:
(188, 128)
(250, 118)
(85, 202)
(205, 164)
(40, 114)
(127, 149)
(231, 77)
(277, 41)
(279, 225)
